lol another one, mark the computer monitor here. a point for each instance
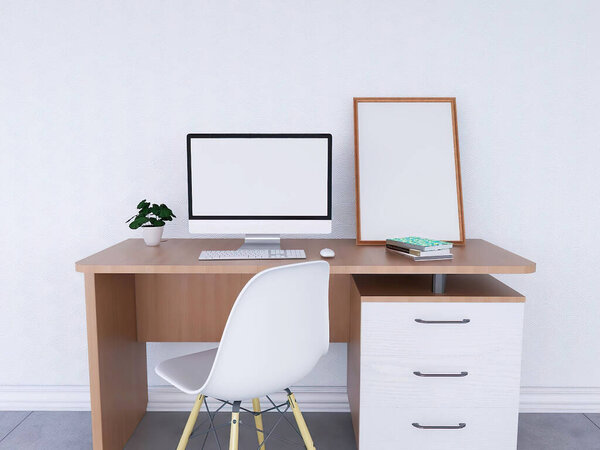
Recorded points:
(259, 184)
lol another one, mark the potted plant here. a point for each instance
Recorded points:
(152, 219)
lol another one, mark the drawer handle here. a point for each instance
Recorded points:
(439, 427)
(442, 321)
(455, 375)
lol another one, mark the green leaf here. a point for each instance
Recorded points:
(138, 222)
(160, 212)
(129, 220)
(164, 212)
(155, 222)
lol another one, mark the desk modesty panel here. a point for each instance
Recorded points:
(195, 307)
(181, 256)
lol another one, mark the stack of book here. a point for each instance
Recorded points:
(420, 249)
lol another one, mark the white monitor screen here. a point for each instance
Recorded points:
(259, 177)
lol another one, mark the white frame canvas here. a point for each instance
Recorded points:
(407, 169)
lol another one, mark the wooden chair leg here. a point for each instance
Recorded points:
(235, 426)
(189, 426)
(308, 442)
(258, 422)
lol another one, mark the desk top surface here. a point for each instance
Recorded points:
(181, 256)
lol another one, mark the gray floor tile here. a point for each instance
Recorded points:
(9, 420)
(594, 418)
(557, 432)
(160, 430)
(51, 430)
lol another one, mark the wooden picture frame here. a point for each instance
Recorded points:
(386, 220)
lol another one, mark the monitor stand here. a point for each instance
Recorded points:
(261, 242)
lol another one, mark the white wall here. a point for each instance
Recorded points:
(96, 99)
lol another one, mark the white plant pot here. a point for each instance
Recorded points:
(152, 235)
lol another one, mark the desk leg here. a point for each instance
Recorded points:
(118, 380)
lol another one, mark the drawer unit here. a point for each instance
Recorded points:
(436, 361)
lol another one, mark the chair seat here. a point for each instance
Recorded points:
(188, 373)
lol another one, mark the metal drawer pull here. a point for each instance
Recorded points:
(461, 374)
(439, 427)
(442, 321)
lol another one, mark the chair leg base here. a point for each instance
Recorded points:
(308, 442)
(234, 432)
(189, 426)
(258, 422)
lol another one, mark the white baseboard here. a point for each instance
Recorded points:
(560, 399)
(312, 399)
(160, 398)
(44, 398)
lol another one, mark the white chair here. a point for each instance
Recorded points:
(276, 332)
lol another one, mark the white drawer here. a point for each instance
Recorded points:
(391, 330)
(487, 383)
(386, 427)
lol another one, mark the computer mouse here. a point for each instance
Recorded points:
(327, 253)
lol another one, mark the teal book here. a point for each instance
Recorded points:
(418, 243)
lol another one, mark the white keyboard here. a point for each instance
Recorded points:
(212, 255)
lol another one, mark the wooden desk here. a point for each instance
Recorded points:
(135, 294)
(181, 256)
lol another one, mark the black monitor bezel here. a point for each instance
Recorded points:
(259, 136)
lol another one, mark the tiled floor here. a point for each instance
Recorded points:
(161, 430)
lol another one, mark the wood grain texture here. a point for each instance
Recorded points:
(195, 307)
(452, 101)
(185, 308)
(359, 239)
(339, 307)
(181, 256)
(118, 379)
(417, 288)
(353, 364)
(459, 196)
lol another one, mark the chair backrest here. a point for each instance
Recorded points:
(277, 330)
